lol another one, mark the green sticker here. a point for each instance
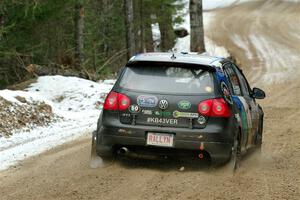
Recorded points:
(162, 113)
(177, 114)
(157, 113)
(184, 105)
(166, 114)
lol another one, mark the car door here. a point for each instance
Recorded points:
(252, 107)
(244, 117)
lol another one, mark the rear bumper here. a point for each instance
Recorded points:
(215, 142)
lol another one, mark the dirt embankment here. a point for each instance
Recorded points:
(268, 35)
(23, 115)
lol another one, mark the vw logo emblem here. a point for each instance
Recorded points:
(163, 104)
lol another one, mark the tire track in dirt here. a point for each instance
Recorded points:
(276, 48)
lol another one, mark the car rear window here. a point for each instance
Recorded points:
(167, 79)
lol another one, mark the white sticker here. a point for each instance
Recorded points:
(147, 112)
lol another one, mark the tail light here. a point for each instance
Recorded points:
(214, 108)
(116, 101)
(123, 101)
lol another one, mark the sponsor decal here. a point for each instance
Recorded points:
(157, 113)
(134, 108)
(246, 123)
(147, 101)
(162, 113)
(208, 89)
(124, 131)
(226, 93)
(156, 120)
(177, 114)
(242, 114)
(163, 104)
(247, 112)
(126, 115)
(184, 105)
(147, 112)
(237, 116)
(201, 120)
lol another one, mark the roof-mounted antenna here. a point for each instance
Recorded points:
(173, 53)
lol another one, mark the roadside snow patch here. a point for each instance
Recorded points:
(76, 102)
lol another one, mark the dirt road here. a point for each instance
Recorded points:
(266, 40)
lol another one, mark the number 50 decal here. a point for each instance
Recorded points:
(134, 108)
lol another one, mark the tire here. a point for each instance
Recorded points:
(235, 154)
(93, 146)
(259, 136)
(103, 150)
(96, 160)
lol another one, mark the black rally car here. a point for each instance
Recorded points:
(167, 104)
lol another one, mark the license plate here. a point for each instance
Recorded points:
(160, 139)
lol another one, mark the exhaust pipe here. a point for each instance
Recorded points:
(123, 151)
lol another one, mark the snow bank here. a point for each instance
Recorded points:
(76, 101)
(214, 4)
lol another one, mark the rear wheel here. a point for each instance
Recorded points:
(235, 154)
(96, 160)
(259, 136)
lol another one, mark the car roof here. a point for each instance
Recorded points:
(184, 57)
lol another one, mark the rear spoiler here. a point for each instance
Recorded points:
(175, 64)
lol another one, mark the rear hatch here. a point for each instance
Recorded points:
(165, 94)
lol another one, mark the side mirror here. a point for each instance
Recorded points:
(258, 93)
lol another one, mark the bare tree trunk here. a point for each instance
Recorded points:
(149, 47)
(140, 28)
(196, 20)
(130, 40)
(79, 26)
(1, 26)
(167, 36)
(138, 25)
(105, 7)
